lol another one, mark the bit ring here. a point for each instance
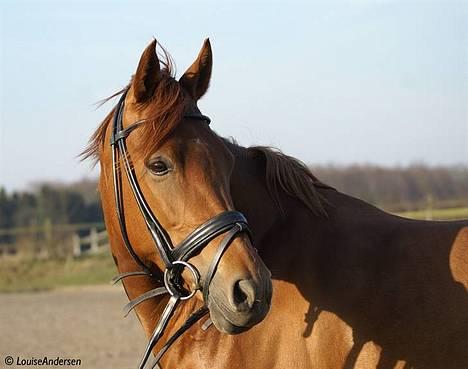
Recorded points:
(173, 291)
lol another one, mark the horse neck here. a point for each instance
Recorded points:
(250, 196)
(296, 244)
(274, 229)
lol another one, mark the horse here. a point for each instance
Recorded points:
(324, 280)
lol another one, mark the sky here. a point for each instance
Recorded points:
(382, 82)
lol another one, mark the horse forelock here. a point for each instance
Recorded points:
(165, 110)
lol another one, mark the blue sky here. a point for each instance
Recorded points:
(329, 82)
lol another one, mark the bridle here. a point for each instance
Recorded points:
(175, 259)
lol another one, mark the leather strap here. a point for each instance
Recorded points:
(147, 295)
(119, 153)
(216, 259)
(123, 133)
(198, 116)
(120, 212)
(206, 232)
(191, 320)
(160, 327)
(128, 274)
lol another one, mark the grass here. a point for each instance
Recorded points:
(33, 275)
(437, 214)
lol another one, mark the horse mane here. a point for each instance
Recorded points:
(290, 175)
(165, 111)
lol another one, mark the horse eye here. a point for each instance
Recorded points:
(159, 168)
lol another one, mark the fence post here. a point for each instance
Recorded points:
(429, 205)
(76, 245)
(47, 229)
(94, 240)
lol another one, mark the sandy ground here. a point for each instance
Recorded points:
(83, 322)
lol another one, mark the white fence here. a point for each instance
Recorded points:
(53, 240)
(94, 243)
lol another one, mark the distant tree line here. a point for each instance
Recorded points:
(52, 203)
(34, 223)
(394, 189)
(400, 188)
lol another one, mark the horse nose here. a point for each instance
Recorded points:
(243, 295)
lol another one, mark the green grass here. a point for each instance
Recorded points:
(34, 275)
(437, 214)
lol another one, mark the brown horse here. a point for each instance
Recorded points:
(353, 286)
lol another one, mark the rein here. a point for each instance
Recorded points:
(175, 258)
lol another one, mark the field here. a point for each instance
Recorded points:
(35, 275)
(437, 214)
(74, 322)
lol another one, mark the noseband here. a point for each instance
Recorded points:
(176, 259)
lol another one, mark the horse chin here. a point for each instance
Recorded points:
(225, 326)
(222, 323)
(226, 322)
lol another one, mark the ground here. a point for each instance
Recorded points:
(75, 322)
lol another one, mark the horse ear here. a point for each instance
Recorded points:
(147, 74)
(197, 78)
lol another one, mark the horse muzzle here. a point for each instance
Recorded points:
(238, 306)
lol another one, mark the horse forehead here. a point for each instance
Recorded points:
(190, 145)
(189, 135)
(197, 141)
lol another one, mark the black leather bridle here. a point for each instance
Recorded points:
(175, 259)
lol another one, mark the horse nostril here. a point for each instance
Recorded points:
(244, 295)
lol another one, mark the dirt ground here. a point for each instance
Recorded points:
(82, 322)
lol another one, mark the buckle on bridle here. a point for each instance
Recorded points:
(175, 289)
